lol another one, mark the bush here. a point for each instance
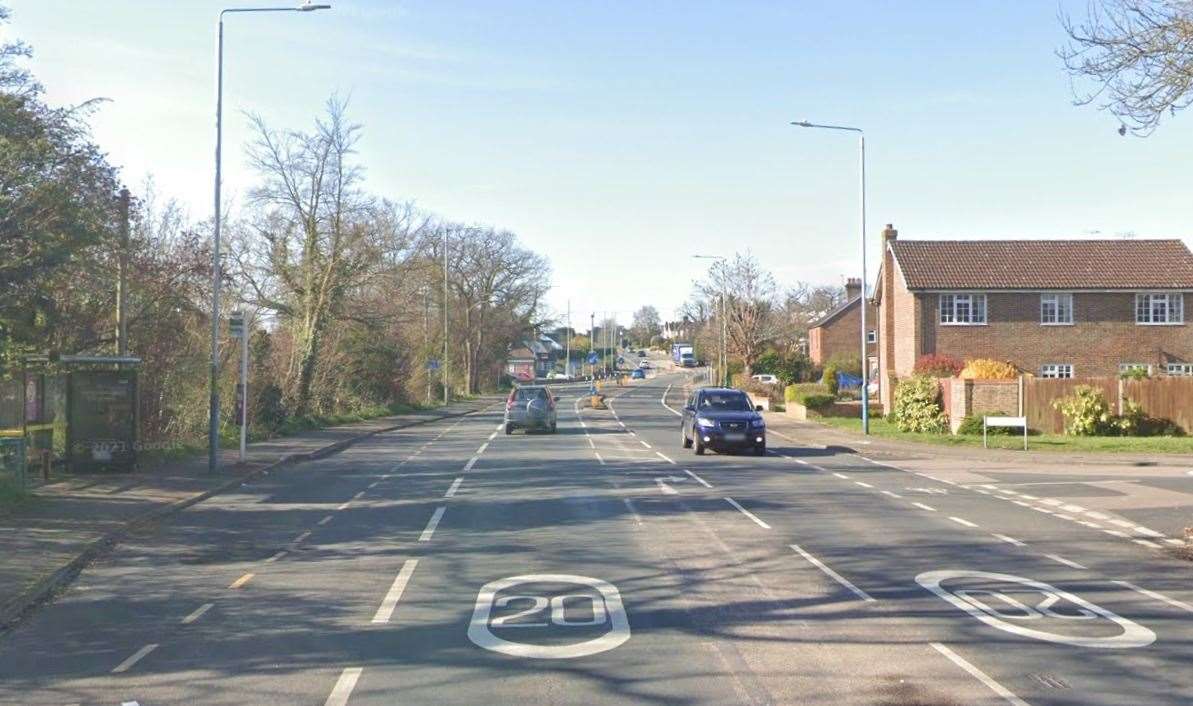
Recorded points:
(817, 401)
(938, 366)
(987, 369)
(800, 391)
(1086, 412)
(793, 367)
(917, 406)
(1135, 374)
(829, 379)
(973, 425)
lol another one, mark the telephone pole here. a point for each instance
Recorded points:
(446, 389)
(122, 279)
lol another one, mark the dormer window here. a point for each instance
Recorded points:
(963, 309)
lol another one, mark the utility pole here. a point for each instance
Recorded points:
(122, 280)
(567, 357)
(443, 365)
(591, 344)
(427, 338)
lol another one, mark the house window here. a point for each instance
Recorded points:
(1056, 309)
(1056, 370)
(1159, 308)
(962, 309)
(1182, 369)
(1130, 367)
(871, 336)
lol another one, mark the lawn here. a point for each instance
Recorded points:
(880, 427)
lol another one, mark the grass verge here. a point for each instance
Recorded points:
(880, 427)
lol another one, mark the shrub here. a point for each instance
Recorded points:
(973, 425)
(987, 369)
(829, 379)
(817, 401)
(917, 406)
(938, 366)
(1135, 374)
(1086, 412)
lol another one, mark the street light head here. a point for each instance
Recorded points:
(309, 7)
(802, 123)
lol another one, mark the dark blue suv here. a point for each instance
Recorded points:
(722, 419)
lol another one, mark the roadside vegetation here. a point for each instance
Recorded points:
(343, 289)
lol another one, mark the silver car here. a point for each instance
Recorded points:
(530, 407)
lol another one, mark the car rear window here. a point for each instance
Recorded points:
(526, 394)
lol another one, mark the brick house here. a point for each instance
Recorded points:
(1052, 308)
(838, 333)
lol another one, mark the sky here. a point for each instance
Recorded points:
(620, 138)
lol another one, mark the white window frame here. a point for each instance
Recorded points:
(1060, 301)
(1146, 308)
(1179, 369)
(871, 336)
(955, 302)
(1127, 367)
(1052, 371)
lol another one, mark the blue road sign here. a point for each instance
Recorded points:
(593, 358)
(432, 365)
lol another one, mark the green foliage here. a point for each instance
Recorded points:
(1135, 374)
(989, 369)
(829, 378)
(917, 406)
(839, 364)
(790, 368)
(938, 366)
(1086, 412)
(809, 394)
(973, 425)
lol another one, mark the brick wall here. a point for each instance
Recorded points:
(1104, 334)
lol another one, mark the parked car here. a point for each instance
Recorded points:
(644, 364)
(557, 376)
(765, 379)
(637, 374)
(531, 407)
(722, 419)
(641, 354)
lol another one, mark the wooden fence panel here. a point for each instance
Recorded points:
(1164, 398)
(1039, 393)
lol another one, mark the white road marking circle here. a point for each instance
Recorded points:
(611, 611)
(1133, 634)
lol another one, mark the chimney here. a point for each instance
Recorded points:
(889, 233)
(853, 288)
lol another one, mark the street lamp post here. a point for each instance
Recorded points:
(213, 430)
(861, 152)
(722, 349)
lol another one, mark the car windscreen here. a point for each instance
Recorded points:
(725, 401)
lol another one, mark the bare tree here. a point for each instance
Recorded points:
(1138, 55)
(647, 324)
(750, 295)
(323, 236)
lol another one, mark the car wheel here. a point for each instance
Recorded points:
(687, 443)
(699, 448)
(553, 424)
(760, 449)
(509, 428)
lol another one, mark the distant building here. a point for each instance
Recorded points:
(838, 333)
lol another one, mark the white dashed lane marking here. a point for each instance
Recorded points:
(833, 574)
(197, 613)
(432, 524)
(747, 513)
(135, 657)
(343, 688)
(922, 506)
(698, 479)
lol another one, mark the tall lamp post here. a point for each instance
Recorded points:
(213, 430)
(861, 155)
(722, 349)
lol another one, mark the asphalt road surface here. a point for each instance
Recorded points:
(453, 564)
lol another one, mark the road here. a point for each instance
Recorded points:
(452, 564)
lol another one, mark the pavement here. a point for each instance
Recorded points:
(450, 563)
(76, 517)
(1147, 497)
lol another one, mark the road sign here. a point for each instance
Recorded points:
(236, 324)
(549, 616)
(593, 358)
(432, 365)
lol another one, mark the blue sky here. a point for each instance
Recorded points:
(618, 138)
